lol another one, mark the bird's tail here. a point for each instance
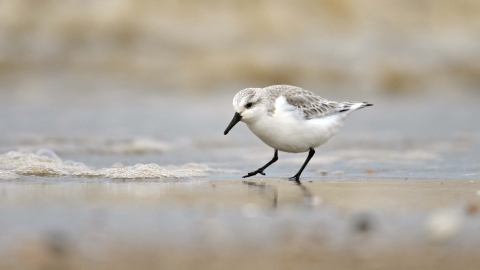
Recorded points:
(353, 106)
(362, 105)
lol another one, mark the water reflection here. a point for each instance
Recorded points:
(270, 192)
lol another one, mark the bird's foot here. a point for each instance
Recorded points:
(294, 178)
(260, 171)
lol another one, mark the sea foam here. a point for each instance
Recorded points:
(46, 163)
(143, 171)
(5, 175)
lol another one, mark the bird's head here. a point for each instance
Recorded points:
(248, 107)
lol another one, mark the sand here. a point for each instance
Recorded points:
(235, 224)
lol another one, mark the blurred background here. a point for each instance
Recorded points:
(383, 47)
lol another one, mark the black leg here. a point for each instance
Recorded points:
(260, 171)
(296, 177)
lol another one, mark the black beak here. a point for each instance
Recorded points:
(236, 118)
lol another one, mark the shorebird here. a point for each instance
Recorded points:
(290, 119)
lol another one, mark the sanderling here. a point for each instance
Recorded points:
(290, 119)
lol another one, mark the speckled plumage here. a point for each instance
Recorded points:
(311, 105)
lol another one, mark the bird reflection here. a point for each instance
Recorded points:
(263, 191)
(307, 194)
(271, 192)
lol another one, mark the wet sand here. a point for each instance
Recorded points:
(341, 194)
(235, 224)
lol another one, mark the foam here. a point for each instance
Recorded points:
(40, 170)
(46, 163)
(13, 160)
(5, 175)
(145, 171)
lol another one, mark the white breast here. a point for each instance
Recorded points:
(288, 131)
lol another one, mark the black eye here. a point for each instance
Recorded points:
(249, 105)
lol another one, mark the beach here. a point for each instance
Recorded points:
(112, 152)
(269, 223)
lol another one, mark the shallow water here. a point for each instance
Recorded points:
(419, 137)
(137, 182)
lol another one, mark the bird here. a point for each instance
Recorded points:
(290, 119)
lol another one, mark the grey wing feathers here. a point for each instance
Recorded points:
(314, 106)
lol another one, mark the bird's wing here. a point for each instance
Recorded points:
(314, 106)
